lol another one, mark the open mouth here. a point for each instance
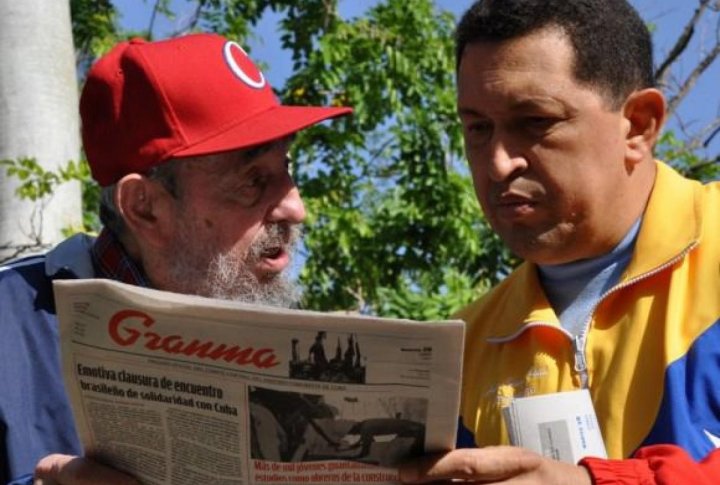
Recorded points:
(273, 252)
(273, 259)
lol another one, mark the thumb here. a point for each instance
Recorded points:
(490, 464)
(73, 470)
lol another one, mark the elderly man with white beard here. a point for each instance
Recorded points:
(190, 146)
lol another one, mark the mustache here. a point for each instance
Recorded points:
(276, 237)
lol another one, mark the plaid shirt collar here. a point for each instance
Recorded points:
(112, 262)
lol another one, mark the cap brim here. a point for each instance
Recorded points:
(277, 122)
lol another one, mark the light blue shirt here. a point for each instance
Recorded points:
(574, 289)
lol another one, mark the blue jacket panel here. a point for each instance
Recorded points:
(35, 415)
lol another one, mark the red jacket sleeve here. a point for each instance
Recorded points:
(656, 465)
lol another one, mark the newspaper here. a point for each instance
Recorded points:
(177, 389)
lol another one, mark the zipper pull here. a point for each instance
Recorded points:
(580, 362)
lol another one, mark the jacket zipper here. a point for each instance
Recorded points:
(580, 340)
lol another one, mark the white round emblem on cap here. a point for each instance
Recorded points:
(238, 70)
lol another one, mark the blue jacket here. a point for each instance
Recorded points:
(35, 415)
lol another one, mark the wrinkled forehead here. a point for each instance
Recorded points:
(538, 65)
(547, 53)
(234, 160)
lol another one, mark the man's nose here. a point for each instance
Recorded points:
(289, 206)
(503, 160)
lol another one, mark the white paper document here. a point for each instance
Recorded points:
(181, 390)
(562, 426)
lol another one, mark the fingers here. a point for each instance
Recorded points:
(482, 464)
(72, 470)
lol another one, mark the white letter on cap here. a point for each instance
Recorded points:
(237, 70)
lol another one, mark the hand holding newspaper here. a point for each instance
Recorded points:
(177, 389)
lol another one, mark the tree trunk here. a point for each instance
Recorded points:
(38, 119)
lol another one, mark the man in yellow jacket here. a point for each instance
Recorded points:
(620, 291)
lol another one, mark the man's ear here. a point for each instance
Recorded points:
(645, 112)
(145, 208)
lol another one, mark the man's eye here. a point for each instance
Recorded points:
(254, 186)
(250, 191)
(538, 122)
(478, 127)
(477, 132)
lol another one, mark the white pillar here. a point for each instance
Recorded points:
(38, 117)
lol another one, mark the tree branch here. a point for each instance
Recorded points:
(681, 44)
(20, 249)
(153, 16)
(376, 154)
(697, 168)
(696, 139)
(692, 78)
(192, 23)
(713, 133)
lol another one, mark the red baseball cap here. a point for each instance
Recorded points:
(146, 102)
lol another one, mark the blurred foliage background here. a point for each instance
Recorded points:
(394, 228)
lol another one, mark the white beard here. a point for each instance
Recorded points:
(202, 271)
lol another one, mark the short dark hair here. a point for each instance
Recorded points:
(612, 45)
